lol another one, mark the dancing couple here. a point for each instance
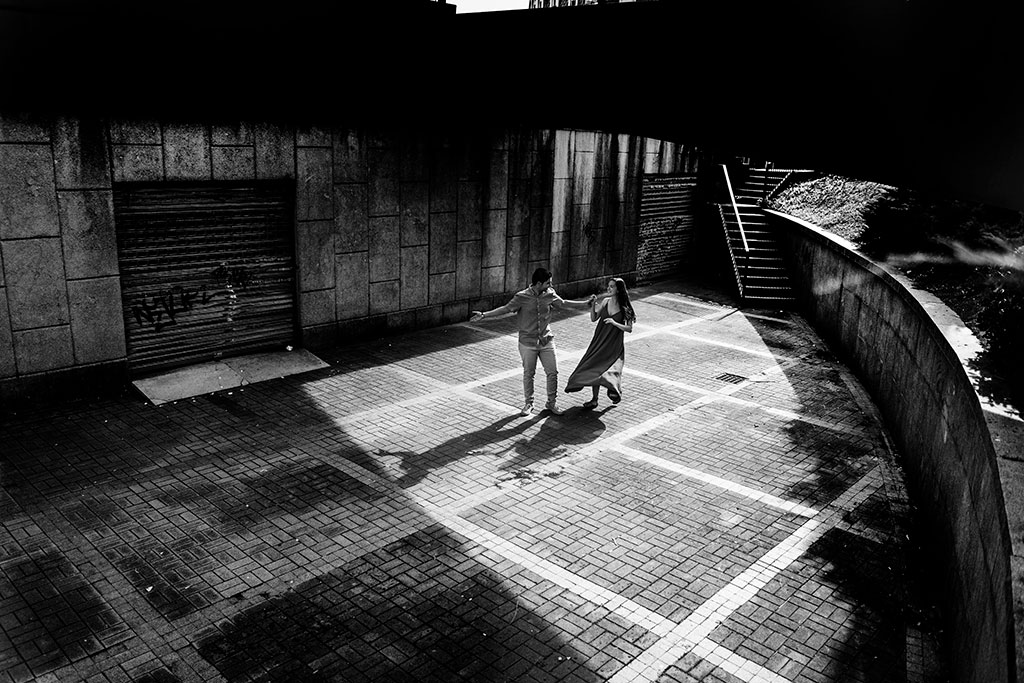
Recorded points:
(600, 366)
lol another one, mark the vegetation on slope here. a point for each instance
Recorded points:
(969, 255)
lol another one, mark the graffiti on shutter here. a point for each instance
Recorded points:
(207, 270)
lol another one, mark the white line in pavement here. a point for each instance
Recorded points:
(734, 487)
(671, 382)
(615, 443)
(693, 633)
(641, 331)
(773, 319)
(790, 415)
(446, 390)
(714, 393)
(735, 347)
(706, 618)
(624, 607)
(677, 298)
(701, 304)
(722, 394)
(675, 639)
(628, 433)
(732, 663)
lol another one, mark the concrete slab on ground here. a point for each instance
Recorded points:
(207, 378)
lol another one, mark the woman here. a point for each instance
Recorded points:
(601, 365)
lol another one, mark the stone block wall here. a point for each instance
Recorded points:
(59, 291)
(906, 347)
(394, 229)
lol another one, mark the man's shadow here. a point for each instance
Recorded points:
(506, 438)
(557, 437)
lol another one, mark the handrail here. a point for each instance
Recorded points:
(740, 278)
(736, 211)
(732, 256)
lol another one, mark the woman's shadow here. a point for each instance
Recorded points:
(506, 438)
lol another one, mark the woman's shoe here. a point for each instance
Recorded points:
(614, 396)
(590, 405)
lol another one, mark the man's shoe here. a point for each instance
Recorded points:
(553, 409)
(527, 409)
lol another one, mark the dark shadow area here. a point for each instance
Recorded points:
(203, 505)
(872, 563)
(420, 609)
(876, 578)
(870, 578)
(210, 507)
(845, 583)
(44, 588)
(576, 426)
(502, 439)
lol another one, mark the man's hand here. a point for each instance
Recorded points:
(475, 315)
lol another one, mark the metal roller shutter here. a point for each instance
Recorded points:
(667, 219)
(207, 270)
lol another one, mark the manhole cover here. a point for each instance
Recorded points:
(731, 378)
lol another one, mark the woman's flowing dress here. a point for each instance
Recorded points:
(602, 363)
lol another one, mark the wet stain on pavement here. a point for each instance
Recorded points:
(52, 616)
(155, 577)
(252, 500)
(158, 676)
(92, 514)
(174, 566)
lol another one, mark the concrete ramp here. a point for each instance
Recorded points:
(207, 378)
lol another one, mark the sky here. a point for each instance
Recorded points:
(466, 6)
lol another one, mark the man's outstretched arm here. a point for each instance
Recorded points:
(580, 303)
(499, 312)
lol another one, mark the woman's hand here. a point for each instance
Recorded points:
(609, 321)
(475, 315)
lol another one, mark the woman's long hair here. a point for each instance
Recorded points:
(622, 297)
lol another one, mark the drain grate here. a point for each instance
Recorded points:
(731, 378)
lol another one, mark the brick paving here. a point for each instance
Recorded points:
(737, 517)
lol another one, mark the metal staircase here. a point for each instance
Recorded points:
(757, 255)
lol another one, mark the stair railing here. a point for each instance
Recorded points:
(728, 246)
(743, 234)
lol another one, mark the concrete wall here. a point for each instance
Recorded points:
(60, 295)
(394, 229)
(904, 344)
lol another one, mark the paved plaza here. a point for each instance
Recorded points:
(738, 517)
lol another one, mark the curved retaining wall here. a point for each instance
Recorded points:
(908, 350)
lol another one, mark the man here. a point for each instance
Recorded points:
(532, 307)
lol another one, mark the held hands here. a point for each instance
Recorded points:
(475, 315)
